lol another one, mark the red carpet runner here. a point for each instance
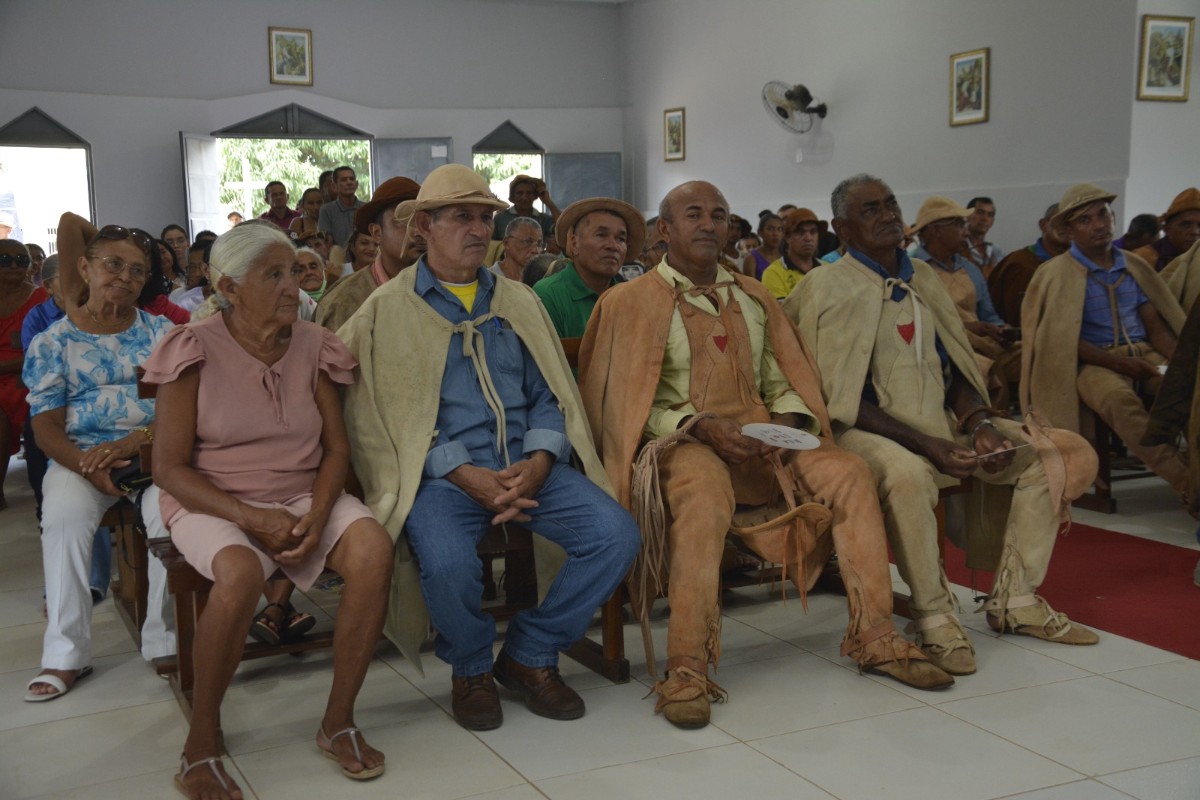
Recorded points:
(1122, 584)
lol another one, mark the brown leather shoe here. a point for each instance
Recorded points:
(476, 703)
(542, 688)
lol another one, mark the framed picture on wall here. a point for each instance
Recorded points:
(970, 82)
(291, 56)
(674, 135)
(1166, 58)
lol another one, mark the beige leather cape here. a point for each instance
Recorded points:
(391, 414)
(1183, 277)
(1051, 316)
(620, 361)
(837, 308)
(838, 316)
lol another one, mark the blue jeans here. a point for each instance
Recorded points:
(445, 525)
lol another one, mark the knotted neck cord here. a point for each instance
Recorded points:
(473, 349)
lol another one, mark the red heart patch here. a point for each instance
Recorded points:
(720, 342)
(906, 331)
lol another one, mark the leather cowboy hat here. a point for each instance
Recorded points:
(393, 190)
(635, 223)
(936, 209)
(1078, 196)
(1187, 200)
(797, 217)
(456, 184)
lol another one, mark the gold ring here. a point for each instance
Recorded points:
(106, 451)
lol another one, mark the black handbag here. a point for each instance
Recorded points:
(131, 478)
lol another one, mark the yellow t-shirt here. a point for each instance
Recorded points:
(465, 292)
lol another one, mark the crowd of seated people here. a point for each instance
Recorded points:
(870, 341)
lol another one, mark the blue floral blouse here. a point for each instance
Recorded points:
(93, 376)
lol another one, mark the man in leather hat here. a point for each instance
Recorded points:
(1181, 230)
(904, 393)
(477, 426)
(1122, 327)
(386, 218)
(596, 234)
(672, 365)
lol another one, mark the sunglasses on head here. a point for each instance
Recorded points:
(20, 260)
(117, 233)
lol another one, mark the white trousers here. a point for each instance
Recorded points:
(158, 631)
(71, 512)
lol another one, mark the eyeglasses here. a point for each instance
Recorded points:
(116, 266)
(20, 261)
(117, 233)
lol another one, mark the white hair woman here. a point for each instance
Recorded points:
(260, 491)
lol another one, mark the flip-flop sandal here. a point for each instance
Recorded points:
(326, 744)
(265, 629)
(298, 623)
(56, 682)
(185, 768)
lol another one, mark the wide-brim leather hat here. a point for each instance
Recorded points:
(797, 217)
(1187, 200)
(635, 223)
(1078, 196)
(936, 209)
(456, 184)
(393, 190)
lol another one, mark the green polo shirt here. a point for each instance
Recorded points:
(568, 300)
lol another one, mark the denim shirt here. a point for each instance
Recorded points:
(466, 425)
(1097, 327)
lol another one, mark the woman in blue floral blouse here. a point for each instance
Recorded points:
(88, 418)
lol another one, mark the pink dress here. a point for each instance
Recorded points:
(258, 435)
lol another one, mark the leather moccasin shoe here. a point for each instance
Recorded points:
(476, 703)
(685, 697)
(1039, 620)
(542, 688)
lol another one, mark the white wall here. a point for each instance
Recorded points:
(1060, 98)
(130, 76)
(1165, 143)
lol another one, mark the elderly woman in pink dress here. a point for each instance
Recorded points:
(251, 455)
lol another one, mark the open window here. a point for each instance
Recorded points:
(505, 153)
(227, 170)
(45, 169)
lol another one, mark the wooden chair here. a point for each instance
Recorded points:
(1115, 464)
(131, 586)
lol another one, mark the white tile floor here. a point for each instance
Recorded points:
(1039, 721)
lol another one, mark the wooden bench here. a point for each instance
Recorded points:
(189, 591)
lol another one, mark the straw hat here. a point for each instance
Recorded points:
(1078, 196)
(936, 209)
(455, 184)
(390, 191)
(635, 223)
(539, 185)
